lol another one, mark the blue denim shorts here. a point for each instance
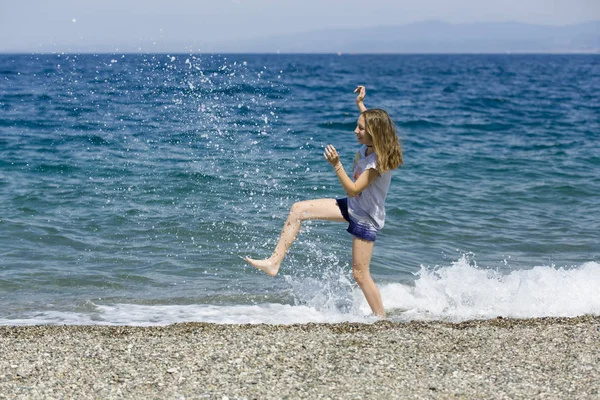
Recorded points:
(360, 230)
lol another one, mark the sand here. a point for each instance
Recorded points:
(550, 358)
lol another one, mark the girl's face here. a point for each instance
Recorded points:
(362, 136)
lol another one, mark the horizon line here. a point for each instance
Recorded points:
(341, 53)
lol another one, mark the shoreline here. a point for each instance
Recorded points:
(499, 358)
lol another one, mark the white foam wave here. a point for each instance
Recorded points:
(454, 293)
(151, 315)
(462, 292)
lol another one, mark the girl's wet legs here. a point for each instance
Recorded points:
(322, 209)
(361, 258)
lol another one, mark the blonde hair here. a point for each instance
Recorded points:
(386, 144)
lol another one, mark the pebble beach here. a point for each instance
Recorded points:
(551, 358)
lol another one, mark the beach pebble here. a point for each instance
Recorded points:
(551, 358)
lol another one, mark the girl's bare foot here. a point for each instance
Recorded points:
(267, 266)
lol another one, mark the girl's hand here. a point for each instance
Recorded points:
(362, 92)
(331, 155)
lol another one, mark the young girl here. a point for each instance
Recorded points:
(363, 209)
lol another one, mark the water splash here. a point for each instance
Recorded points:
(454, 293)
(463, 291)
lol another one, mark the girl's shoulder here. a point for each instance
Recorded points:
(362, 151)
(366, 161)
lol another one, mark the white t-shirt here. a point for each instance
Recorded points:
(369, 205)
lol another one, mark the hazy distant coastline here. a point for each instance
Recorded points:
(432, 37)
(424, 37)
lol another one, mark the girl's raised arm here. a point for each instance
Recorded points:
(362, 92)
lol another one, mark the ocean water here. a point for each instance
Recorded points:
(132, 185)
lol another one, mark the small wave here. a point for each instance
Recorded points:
(420, 123)
(490, 127)
(8, 72)
(39, 124)
(61, 168)
(463, 292)
(453, 87)
(151, 315)
(226, 90)
(18, 97)
(488, 102)
(94, 140)
(338, 125)
(197, 177)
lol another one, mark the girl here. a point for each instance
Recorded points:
(363, 209)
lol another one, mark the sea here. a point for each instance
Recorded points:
(133, 185)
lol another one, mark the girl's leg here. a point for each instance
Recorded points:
(361, 258)
(323, 209)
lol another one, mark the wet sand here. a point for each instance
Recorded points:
(551, 358)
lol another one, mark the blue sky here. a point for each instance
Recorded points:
(150, 25)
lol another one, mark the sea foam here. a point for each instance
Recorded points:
(462, 292)
(453, 293)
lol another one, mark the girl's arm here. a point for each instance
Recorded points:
(362, 92)
(351, 188)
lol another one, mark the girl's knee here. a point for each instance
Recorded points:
(298, 209)
(360, 276)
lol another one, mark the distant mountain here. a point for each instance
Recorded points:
(430, 37)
